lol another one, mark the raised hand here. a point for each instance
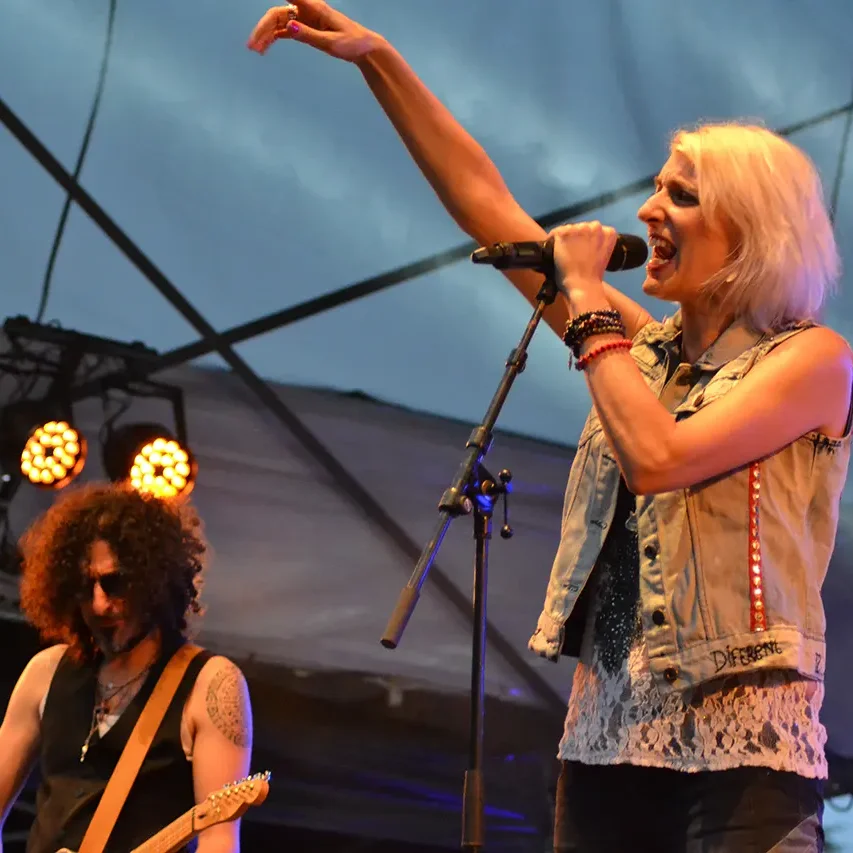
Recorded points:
(317, 24)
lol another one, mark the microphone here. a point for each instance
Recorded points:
(629, 252)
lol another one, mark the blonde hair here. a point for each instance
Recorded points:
(768, 193)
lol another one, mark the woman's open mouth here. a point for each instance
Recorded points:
(663, 253)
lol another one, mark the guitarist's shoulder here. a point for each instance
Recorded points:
(37, 676)
(221, 674)
(42, 665)
(221, 697)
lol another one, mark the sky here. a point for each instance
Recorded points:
(255, 183)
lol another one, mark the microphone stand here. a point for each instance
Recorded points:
(473, 492)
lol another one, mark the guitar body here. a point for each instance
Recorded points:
(226, 804)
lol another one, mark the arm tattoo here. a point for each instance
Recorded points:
(227, 706)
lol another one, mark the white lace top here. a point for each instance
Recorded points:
(767, 718)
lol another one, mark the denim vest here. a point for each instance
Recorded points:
(730, 569)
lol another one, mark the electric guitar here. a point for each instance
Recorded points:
(224, 805)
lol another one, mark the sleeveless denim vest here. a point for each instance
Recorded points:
(730, 569)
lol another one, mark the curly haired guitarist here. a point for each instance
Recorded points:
(111, 576)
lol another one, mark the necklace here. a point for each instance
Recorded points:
(99, 712)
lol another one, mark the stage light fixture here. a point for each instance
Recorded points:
(54, 455)
(43, 449)
(151, 459)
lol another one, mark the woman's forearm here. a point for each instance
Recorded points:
(460, 172)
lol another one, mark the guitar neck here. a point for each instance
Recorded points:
(172, 837)
(226, 804)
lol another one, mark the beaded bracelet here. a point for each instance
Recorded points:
(587, 327)
(584, 360)
(590, 323)
(599, 328)
(574, 326)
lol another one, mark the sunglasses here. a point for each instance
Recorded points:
(112, 584)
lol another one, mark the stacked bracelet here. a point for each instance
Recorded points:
(584, 360)
(584, 326)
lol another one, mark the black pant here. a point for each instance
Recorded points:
(627, 809)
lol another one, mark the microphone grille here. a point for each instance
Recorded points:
(629, 252)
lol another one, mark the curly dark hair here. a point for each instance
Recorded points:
(158, 544)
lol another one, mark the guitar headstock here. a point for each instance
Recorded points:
(232, 801)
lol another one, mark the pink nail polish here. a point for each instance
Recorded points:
(293, 26)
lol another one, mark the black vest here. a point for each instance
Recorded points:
(70, 790)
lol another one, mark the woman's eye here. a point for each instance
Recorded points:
(682, 197)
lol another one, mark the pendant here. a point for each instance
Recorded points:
(83, 751)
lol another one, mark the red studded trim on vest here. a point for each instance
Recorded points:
(757, 617)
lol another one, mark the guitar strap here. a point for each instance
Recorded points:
(135, 750)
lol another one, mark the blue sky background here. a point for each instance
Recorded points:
(255, 183)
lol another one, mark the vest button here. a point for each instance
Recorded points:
(651, 550)
(659, 617)
(670, 674)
